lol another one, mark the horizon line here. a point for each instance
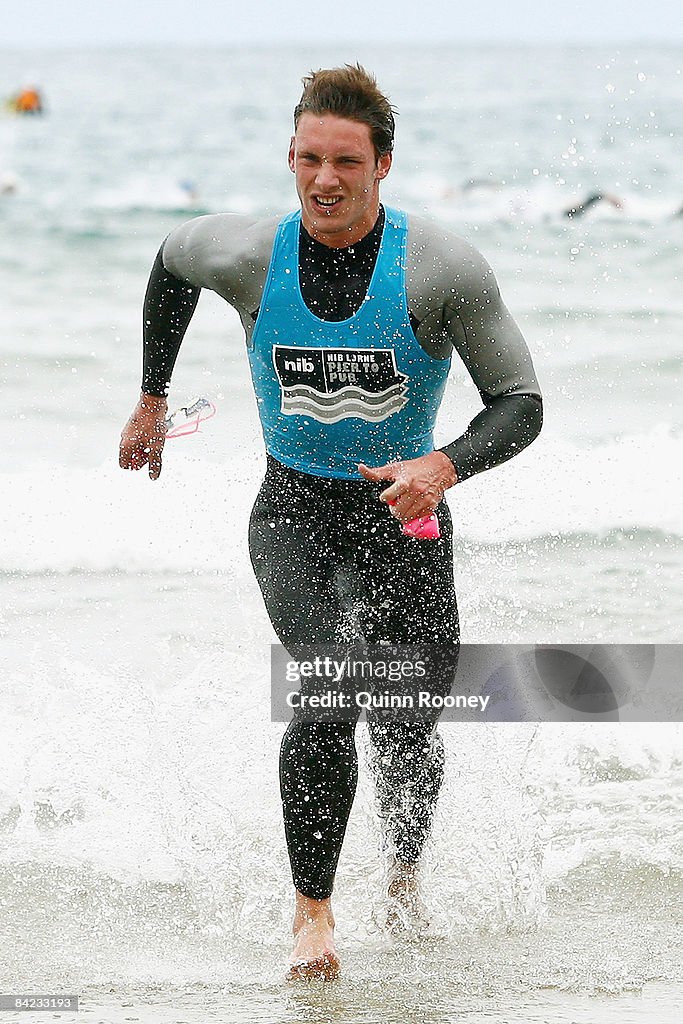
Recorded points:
(179, 44)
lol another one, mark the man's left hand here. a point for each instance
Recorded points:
(417, 485)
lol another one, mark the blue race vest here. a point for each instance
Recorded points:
(333, 394)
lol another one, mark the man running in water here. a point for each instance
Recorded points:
(351, 313)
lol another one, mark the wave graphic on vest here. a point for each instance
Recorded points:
(332, 384)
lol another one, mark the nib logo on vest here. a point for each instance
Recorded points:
(331, 384)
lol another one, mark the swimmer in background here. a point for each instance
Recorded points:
(27, 101)
(579, 209)
(499, 201)
(189, 190)
(651, 210)
(9, 183)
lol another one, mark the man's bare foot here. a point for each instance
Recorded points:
(314, 955)
(406, 913)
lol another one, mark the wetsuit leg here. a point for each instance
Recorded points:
(410, 600)
(296, 565)
(408, 766)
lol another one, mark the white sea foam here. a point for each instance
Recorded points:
(189, 519)
(143, 781)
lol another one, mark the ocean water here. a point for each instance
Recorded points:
(142, 862)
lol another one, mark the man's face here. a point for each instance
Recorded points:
(337, 177)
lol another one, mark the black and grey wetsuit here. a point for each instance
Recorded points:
(332, 564)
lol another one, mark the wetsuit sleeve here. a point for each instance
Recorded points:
(493, 349)
(454, 298)
(507, 424)
(168, 308)
(225, 253)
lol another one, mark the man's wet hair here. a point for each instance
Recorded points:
(350, 92)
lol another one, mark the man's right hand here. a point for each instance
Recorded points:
(143, 437)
